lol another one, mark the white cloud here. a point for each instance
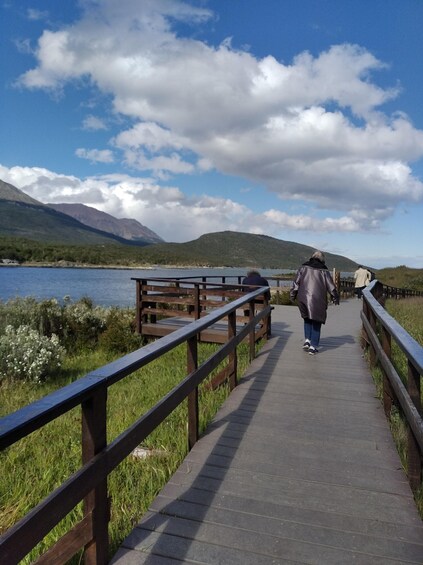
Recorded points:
(167, 210)
(93, 123)
(95, 155)
(149, 135)
(34, 14)
(310, 130)
(308, 223)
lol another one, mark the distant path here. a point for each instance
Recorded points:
(298, 467)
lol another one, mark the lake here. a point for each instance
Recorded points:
(107, 287)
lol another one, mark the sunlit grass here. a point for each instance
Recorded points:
(409, 314)
(39, 463)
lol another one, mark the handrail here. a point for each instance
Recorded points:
(89, 483)
(379, 329)
(160, 299)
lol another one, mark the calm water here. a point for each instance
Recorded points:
(107, 287)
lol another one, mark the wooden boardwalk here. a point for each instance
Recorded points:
(297, 467)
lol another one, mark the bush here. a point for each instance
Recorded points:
(83, 323)
(120, 336)
(27, 356)
(46, 316)
(281, 297)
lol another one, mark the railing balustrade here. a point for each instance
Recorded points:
(379, 330)
(99, 459)
(163, 303)
(204, 303)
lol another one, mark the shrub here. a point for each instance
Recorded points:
(120, 336)
(83, 323)
(45, 316)
(27, 356)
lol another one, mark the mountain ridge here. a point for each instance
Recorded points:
(127, 228)
(32, 231)
(24, 216)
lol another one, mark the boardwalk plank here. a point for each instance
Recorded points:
(298, 466)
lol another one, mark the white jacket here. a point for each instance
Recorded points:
(361, 277)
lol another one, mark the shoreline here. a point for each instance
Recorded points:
(148, 267)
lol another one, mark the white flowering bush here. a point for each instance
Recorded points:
(83, 323)
(27, 356)
(44, 316)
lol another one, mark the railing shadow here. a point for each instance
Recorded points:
(193, 503)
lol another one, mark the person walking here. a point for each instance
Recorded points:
(311, 286)
(362, 277)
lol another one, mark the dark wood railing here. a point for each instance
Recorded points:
(379, 330)
(163, 303)
(346, 288)
(89, 483)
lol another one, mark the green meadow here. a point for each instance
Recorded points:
(408, 313)
(39, 463)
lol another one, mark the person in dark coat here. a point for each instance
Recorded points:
(310, 288)
(251, 282)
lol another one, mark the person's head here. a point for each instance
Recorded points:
(319, 255)
(252, 272)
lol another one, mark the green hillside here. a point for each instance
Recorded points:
(33, 232)
(235, 249)
(224, 249)
(41, 223)
(402, 277)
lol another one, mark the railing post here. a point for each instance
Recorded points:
(233, 358)
(138, 306)
(337, 281)
(373, 324)
(268, 319)
(96, 504)
(414, 460)
(252, 334)
(388, 393)
(193, 419)
(204, 287)
(197, 308)
(142, 304)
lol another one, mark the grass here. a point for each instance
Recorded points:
(408, 313)
(38, 464)
(402, 277)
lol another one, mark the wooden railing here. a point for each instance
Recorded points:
(379, 330)
(346, 289)
(160, 300)
(89, 483)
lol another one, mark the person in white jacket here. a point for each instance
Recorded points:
(362, 278)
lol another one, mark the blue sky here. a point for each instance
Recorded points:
(298, 119)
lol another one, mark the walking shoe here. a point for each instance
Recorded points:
(306, 344)
(312, 350)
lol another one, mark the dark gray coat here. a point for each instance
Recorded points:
(311, 287)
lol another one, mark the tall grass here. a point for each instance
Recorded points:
(39, 463)
(409, 314)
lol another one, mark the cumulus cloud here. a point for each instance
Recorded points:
(95, 155)
(166, 209)
(93, 123)
(312, 129)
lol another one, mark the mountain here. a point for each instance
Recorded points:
(33, 231)
(24, 217)
(236, 249)
(124, 228)
(12, 194)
